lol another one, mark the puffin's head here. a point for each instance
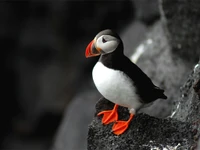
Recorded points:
(104, 42)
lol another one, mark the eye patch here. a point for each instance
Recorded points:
(103, 40)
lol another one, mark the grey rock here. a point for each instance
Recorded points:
(147, 11)
(183, 26)
(132, 36)
(144, 132)
(198, 146)
(188, 106)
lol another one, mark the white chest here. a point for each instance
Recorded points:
(115, 86)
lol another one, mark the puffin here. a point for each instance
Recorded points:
(119, 80)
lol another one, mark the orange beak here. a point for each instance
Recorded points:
(91, 50)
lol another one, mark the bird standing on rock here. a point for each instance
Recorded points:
(119, 80)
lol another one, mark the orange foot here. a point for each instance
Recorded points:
(109, 115)
(120, 126)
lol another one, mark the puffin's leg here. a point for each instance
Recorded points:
(120, 126)
(109, 115)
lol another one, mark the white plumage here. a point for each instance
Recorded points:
(116, 86)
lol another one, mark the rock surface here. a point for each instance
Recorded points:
(188, 107)
(183, 25)
(147, 11)
(144, 132)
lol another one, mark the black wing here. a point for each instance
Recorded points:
(145, 87)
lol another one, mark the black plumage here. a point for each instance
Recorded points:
(116, 60)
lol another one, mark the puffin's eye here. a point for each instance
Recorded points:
(103, 40)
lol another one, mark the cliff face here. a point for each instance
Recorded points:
(183, 25)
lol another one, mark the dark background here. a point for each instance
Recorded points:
(43, 45)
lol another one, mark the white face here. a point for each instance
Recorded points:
(107, 43)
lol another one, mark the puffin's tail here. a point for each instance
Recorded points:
(160, 93)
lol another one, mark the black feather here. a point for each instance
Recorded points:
(145, 88)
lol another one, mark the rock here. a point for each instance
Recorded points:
(183, 33)
(132, 36)
(144, 132)
(198, 147)
(183, 26)
(188, 106)
(147, 11)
